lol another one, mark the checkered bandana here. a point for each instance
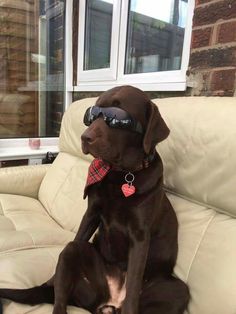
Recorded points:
(96, 173)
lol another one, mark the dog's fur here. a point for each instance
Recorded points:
(135, 246)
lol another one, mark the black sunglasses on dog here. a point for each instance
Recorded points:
(114, 118)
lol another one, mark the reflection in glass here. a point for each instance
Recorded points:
(32, 67)
(155, 35)
(98, 29)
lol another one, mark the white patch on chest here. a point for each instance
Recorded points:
(117, 293)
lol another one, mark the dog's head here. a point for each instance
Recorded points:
(123, 127)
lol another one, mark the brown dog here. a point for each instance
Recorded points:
(128, 266)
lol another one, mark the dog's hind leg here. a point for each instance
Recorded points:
(32, 296)
(80, 278)
(164, 296)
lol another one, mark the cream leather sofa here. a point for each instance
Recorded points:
(41, 206)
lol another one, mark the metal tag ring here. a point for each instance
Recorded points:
(131, 179)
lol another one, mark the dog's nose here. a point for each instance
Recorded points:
(86, 138)
(89, 136)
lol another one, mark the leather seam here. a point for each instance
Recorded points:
(199, 244)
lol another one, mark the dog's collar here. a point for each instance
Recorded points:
(147, 161)
(98, 169)
(145, 164)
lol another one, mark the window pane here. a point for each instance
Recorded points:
(155, 35)
(98, 29)
(32, 67)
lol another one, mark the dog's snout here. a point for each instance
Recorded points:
(89, 135)
(85, 137)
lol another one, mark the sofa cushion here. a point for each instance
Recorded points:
(200, 154)
(206, 257)
(72, 127)
(23, 180)
(24, 223)
(28, 268)
(62, 188)
(16, 308)
(61, 191)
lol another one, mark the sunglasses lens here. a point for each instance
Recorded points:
(87, 121)
(114, 117)
(114, 112)
(90, 115)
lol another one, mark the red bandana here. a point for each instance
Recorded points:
(96, 173)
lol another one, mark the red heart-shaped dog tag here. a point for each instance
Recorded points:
(128, 189)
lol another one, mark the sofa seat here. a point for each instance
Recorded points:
(206, 237)
(27, 268)
(24, 223)
(16, 308)
(30, 243)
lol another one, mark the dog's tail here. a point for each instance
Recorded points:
(31, 296)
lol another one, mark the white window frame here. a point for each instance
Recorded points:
(107, 74)
(103, 79)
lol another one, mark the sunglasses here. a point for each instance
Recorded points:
(114, 118)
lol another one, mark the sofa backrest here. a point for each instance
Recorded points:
(62, 189)
(199, 155)
(72, 127)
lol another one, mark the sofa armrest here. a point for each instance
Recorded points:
(22, 180)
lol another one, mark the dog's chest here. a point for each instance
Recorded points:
(113, 237)
(118, 212)
(114, 225)
(116, 209)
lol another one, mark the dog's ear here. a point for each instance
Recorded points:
(157, 129)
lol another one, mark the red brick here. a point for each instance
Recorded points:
(227, 32)
(221, 93)
(203, 1)
(213, 58)
(201, 37)
(12, 42)
(16, 16)
(223, 80)
(12, 54)
(213, 12)
(18, 5)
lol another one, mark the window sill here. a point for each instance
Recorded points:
(13, 149)
(91, 87)
(162, 81)
(25, 152)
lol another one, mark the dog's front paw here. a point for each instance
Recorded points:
(129, 308)
(59, 310)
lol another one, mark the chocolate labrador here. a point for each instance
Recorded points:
(127, 267)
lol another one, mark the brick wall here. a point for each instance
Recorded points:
(212, 65)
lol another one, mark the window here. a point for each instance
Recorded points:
(32, 67)
(99, 27)
(155, 38)
(139, 42)
(97, 41)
